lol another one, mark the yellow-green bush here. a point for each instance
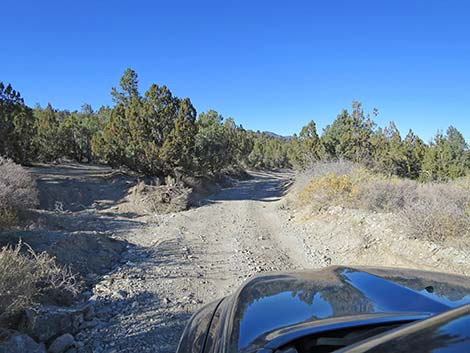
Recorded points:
(341, 184)
(328, 190)
(434, 211)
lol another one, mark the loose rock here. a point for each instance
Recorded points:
(62, 344)
(15, 342)
(44, 323)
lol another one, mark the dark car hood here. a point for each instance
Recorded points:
(269, 309)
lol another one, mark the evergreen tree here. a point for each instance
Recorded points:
(310, 144)
(77, 130)
(243, 142)
(128, 88)
(447, 157)
(349, 136)
(295, 154)
(153, 134)
(47, 140)
(178, 149)
(388, 152)
(158, 134)
(414, 150)
(16, 126)
(256, 156)
(211, 143)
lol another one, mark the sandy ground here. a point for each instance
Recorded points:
(175, 263)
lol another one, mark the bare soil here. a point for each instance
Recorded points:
(150, 272)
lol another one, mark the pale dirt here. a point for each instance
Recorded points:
(175, 263)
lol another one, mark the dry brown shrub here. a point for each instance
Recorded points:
(386, 195)
(322, 168)
(17, 191)
(26, 276)
(463, 182)
(441, 211)
(172, 197)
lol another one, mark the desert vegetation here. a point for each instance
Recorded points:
(433, 210)
(28, 277)
(17, 191)
(166, 156)
(158, 134)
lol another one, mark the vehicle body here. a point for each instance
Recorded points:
(336, 308)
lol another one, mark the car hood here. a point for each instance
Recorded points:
(270, 309)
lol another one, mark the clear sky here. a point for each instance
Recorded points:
(272, 65)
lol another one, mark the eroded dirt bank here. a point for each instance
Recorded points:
(161, 268)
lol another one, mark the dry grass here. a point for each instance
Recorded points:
(433, 211)
(26, 276)
(17, 191)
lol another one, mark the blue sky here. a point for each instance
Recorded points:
(271, 65)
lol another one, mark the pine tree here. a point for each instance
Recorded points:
(414, 150)
(177, 152)
(211, 143)
(388, 153)
(349, 136)
(47, 140)
(77, 130)
(16, 126)
(128, 88)
(310, 145)
(295, 153)
(447, 157)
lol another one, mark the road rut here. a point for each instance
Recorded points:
(179, 262)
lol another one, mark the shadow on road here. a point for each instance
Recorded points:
(77, 187)
(68, 224)
(262, 187)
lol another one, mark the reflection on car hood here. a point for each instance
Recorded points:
(269, 305)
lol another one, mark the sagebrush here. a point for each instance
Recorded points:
(433, 211)
(17, 191)
(440, 211)
(26, 276)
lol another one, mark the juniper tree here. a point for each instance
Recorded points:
(447, 157)
(349, 136)
(47, 140)
(16, 126)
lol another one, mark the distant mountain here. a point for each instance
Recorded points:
(272, 134)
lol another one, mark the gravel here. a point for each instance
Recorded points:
(175, 263)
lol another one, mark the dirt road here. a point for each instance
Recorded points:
(175, 263)
(179, 262)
